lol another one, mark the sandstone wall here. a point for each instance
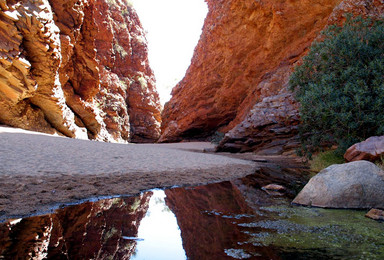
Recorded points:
(77, 68)
(237, 82)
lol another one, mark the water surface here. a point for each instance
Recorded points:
(159, 234)
(228, 220)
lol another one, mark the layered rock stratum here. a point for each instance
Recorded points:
(371, 149)
(237, 82)
(77, 68)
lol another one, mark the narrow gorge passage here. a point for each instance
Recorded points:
(82, 69)
(173, 29)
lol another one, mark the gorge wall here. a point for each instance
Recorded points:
(237, 81)
(80, 69)
(77, 68)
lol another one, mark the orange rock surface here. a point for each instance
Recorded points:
(240, 70)
(371, 150)
(375, 214)
(78, 68)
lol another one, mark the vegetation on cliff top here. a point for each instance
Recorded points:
(340, 86)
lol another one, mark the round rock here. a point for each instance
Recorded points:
(358, 184)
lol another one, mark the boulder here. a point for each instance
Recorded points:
(371, 150)
(375, 214)
(357, 184)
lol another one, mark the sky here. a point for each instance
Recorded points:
(173, 30)
(159, 236)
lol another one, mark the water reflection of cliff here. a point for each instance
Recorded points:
(99, 230)
(217, 221)
(200, 211)
(208, 216)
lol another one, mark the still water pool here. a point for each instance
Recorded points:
(159, 234)
(228, 220)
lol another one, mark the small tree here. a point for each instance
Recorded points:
(340, 85)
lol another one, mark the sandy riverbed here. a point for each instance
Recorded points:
(39, 172)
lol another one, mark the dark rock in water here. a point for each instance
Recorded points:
(351, 185)
(371, 150)
(290, 174)
(375, 214)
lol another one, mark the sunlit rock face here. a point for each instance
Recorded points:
(128, 97)
(88, 231)
(77, 68)
(237, 82)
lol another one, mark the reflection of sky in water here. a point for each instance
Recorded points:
(159, 231)
(218, 222)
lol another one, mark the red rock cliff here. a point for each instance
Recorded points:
(238, 78)
(79, 68)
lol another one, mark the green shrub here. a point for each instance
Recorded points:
(340, 86)
(380, 163)
(324, 159)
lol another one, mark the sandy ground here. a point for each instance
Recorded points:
(40, 172)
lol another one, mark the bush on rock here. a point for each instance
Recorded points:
(340, 86)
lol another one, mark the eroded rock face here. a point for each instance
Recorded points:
(357, 184)
(371, 150)
(240, 70)
(79, 68)
(128, 92)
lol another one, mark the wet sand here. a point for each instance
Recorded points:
(39, 172)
